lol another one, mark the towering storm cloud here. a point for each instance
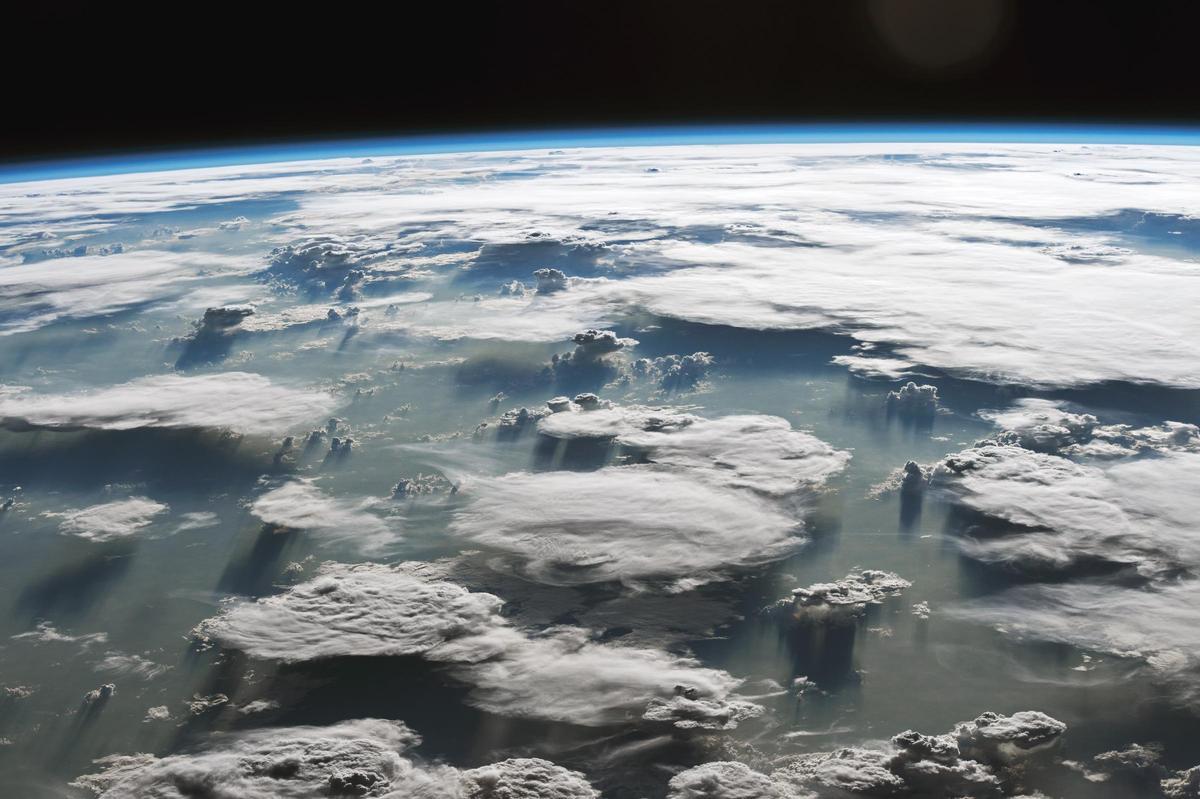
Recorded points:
(365, 757)
(560, 673)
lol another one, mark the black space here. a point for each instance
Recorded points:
(93, 79)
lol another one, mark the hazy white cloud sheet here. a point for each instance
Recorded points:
(302, 505)
(240, 401)
(951, 256)
(979, 309)
(33, 295)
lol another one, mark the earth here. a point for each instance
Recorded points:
(714, 468)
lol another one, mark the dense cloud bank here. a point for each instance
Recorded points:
(755, 236)
(1115, 519)
(1073, 515)
(239, 401)
(980, 758)
(559, 674)
(365, 757)
(683, 500)
(627, 523)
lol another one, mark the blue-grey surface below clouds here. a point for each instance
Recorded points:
(707, 471)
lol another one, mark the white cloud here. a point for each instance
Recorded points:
(981, 758)
(841, 600)
(563, 676)
(111, 521)
(301, 505)
(45, 632)
(629, 523)
(961, 307)
(725, 779)
(701, 497)
(757, 452)
(364, 757)
(240, 401)
(1129, 513)
(1156, 624)
(1048, 426)
(129, 664)
(558, 674)
(355, 610)
(39, 293)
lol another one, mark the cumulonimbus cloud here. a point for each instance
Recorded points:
(560, 674)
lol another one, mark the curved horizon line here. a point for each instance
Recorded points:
(593, 136)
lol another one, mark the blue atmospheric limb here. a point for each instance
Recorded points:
(605, 137)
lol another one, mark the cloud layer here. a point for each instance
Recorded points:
(558, 674)
(238, 401)
(365, 757)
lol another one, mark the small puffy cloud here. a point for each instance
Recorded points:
(212, 338)
(558, 674)
(301, 505)
(224, 317)
(841, 600)
(592, 344)
(914, 400)
(98, 697)
(45, 632)
(240, 401)
(674, 373)
(591, 357)
(111, 521)
(550, 280)
(688, 709)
